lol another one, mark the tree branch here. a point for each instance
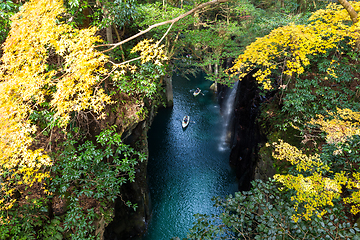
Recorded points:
(353, 14)
(172, 21)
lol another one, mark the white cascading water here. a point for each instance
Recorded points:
(226, 116)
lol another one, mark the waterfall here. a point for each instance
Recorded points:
(228, 110)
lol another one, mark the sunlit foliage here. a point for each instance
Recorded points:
(52, 76)
(28, 80)
(339, 126)
(286, 50)
(312, 187)
(317, 181)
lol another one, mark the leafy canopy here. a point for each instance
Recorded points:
(286, 50)
(51, 75)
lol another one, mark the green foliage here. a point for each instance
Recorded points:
(53, 230)
(29, 220)
(7, 9)
(291, 6)
(211, 39)
(102, 13)
(207, 50)
(144, 83)
(44, 119)
(151, 13)
(214, 38)
(88, 177)
(96, 169)
(265, 212)
(93, 173)
(344, 159)
(120, 12)
(78, 222)
(318, 92)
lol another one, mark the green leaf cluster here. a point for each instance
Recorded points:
(29, 220)
(265, 212)
(86, 178)
(7, 9)
(317, 92)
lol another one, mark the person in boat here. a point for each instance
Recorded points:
(197, 90)
(186, 119)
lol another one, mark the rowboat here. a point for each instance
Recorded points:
(185, 122)
(197, 92)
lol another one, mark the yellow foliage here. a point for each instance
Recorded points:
(150, 51)
(288, 47)
(284, 151)
(342, 125)
(354, 199)
(46, 60)
(314, 187)
(314, 190)
(27, 80)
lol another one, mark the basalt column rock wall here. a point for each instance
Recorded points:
(246, 134)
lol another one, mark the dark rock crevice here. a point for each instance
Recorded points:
(127, 223)
(246, 132)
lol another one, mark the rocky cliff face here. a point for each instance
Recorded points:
(246, 135)
(128, 223)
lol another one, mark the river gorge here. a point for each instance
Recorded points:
(214, 156)
(187, 167)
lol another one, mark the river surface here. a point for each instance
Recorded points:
(187, 167)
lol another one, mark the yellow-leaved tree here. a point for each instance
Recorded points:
(282, 60)
(286, 50)
(53, 69)
(321, 182)
(64, 105)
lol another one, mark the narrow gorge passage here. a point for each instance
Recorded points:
(186, 167)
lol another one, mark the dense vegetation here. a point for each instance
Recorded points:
(313, 68)
(73, 80)
(63, 109)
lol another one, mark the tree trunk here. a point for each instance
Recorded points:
(301, 6)
(282, 4)
(353, 14)
(109, 35)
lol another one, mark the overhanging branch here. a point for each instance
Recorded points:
(172, 21)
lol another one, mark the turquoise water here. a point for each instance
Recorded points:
(186, 167)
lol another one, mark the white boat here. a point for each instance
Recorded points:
(185, 122)
(197, 92)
